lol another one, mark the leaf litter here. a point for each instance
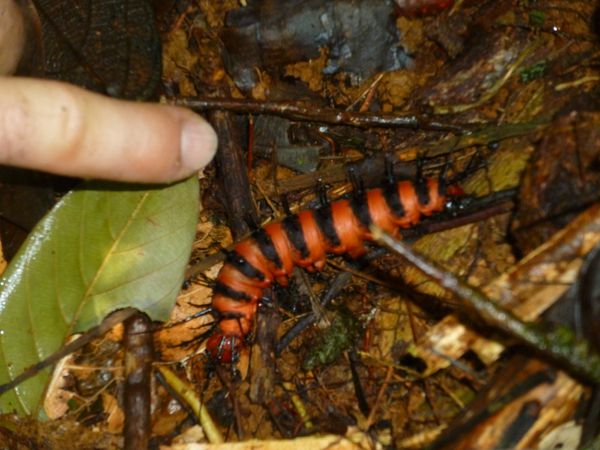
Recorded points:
(518, 63)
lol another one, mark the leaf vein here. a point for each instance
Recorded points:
(107, 256)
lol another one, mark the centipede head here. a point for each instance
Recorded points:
(224, 349)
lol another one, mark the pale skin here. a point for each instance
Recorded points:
(59, 128)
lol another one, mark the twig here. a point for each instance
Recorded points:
(298, 405)
(139, 355)
(338, 284)
(188, 394)
(232, 174)
(109, 322)
(361, 398)
(559, 345)
(314, 113)
(234, 400)
(380, 394)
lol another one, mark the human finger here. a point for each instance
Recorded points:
(62, 129)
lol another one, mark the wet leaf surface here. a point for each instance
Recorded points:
(103, 247)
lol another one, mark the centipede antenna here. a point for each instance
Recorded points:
(234, 358)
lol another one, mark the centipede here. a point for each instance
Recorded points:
(305, 240)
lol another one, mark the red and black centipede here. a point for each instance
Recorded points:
(305, 239)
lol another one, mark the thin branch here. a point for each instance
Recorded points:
(139, 355)
(187, 393)
(109, 322)
(339, 282)
(559, 345)
(314, 113)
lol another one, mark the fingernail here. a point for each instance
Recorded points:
(198, 143)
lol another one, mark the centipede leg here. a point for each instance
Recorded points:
(363, 405)
(195, 340)
(443, 176)
(206, 309)
(420, 162)
(421, 182)
(388, 164)
(322, 193)
(357, 183)
(285, 204)
(476, 162)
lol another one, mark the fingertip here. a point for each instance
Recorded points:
(198, 143)
(58, 128)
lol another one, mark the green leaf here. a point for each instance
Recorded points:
(102, 247)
